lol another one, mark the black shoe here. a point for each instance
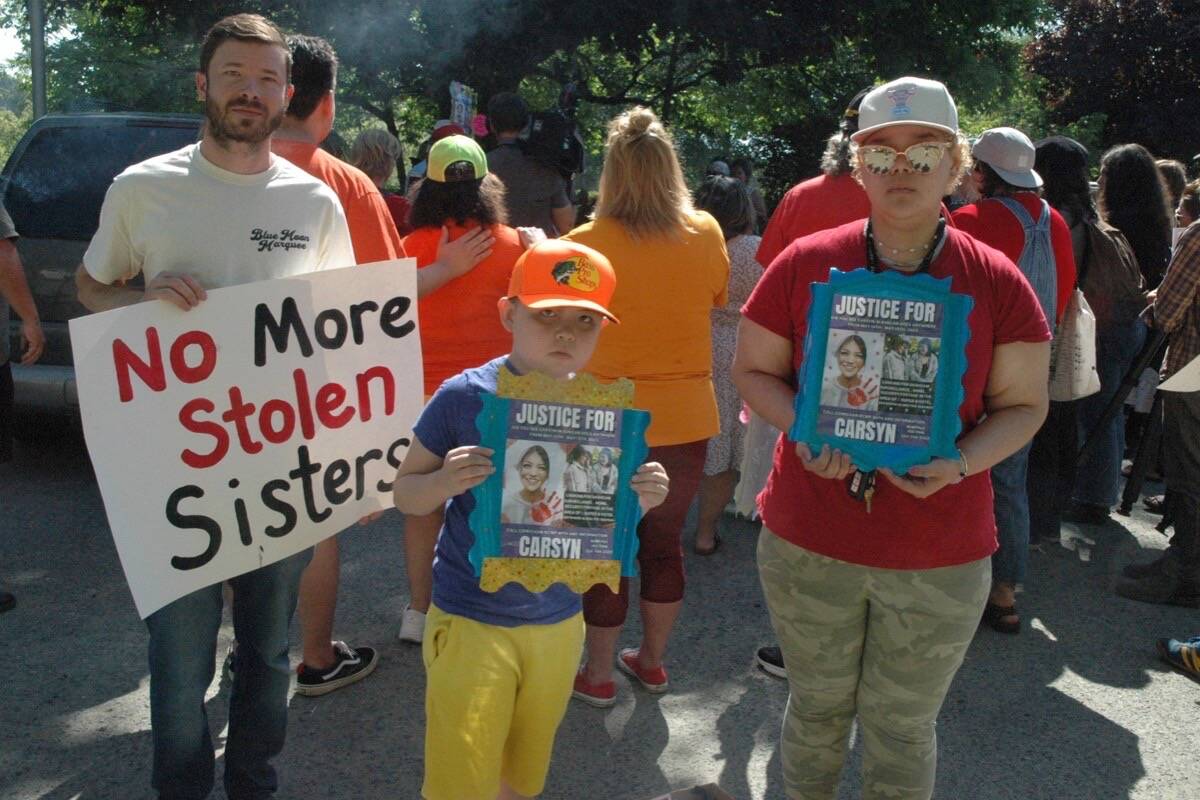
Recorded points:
(770, 659)
(351, 666)
(1086, 514)
(1166, 565)
(7, 602)
(1168, 590)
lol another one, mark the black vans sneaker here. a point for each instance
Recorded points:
(352, 664)
(770, 659)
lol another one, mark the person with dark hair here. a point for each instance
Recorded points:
(1114, 288)
(186, 221)
(376, 152)
(743, 170)
(1188, 210)
(1174, 178)
(727, 200)
(1012, 218)
(458, 199)
(832, 198)
(535, 195)
(718, 167)
(1132, 200)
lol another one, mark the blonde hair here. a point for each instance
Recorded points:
(642, 185)
(375, 152)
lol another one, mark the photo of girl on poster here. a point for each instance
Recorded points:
(849, 380)
(528, 497)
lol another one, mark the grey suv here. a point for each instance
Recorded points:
(53, 185)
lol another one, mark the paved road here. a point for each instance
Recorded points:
(1075, 707)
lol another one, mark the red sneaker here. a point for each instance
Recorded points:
(600, 695)
(652, 680)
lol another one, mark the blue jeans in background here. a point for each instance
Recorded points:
(183, 644)
(1098, 477)
(1011, 504)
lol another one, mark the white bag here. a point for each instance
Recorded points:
(1073, 353)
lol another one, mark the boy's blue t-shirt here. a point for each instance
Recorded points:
(448, 421)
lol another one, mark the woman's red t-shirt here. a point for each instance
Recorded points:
(954, 526)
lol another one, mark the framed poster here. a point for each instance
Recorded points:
(881, 377)
(559, 507)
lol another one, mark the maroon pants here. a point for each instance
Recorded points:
(660, 552)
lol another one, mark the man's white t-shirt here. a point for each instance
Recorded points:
(179, 212)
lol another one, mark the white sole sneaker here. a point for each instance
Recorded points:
(412, 625)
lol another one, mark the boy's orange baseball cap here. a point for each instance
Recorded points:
(555, 272)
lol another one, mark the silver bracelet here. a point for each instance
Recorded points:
(963, 467)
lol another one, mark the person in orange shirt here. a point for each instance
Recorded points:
(672, 271)
(329, 664)
(459, 326)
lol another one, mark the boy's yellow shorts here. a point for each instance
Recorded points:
(494, 698)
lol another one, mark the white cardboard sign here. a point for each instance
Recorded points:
(269, 417)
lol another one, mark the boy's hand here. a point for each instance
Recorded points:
(651, 484)
(465, 468)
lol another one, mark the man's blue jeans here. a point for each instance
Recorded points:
(183, 644)
(1011, 504)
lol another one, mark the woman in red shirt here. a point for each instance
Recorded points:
(874, 612)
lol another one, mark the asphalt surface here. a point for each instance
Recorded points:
(1076, 706)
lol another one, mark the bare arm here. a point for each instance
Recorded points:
(1016, 400)
(563, 217)
(15, 289)
(425, 482)
(454, 259)
(180, 290)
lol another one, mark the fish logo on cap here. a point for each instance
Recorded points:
(578, 273)
(899, 96)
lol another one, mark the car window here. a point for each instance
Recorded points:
(56, 188)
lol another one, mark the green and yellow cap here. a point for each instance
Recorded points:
(456, 158)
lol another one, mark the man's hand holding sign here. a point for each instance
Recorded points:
(279, 412)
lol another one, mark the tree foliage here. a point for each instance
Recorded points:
(1134, 61)
(765, 78)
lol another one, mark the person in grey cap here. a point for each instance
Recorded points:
(1014, 219)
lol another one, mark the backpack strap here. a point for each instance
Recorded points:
(1018, 210)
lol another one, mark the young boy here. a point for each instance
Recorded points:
(500, 666)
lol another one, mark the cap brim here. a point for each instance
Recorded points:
(862, 133)
(1025, 180)
(550, 301)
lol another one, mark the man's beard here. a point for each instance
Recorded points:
(224, 127)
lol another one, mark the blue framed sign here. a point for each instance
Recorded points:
(559, 507)
(881, 378)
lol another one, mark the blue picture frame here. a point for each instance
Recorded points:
(881, 377)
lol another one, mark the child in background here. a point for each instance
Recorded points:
(500, 666)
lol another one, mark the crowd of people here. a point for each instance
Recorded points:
(873, 613)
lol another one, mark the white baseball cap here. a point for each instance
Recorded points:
(1010, 153)
(907, 101)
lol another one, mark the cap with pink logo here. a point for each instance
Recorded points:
(907, 101)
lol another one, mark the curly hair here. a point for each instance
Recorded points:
(479, 200)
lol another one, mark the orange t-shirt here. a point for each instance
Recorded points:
(372, 231)
(666, 289)
(460, 323)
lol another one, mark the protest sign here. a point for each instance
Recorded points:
(559, 507)
(882, 372)
(265, 419)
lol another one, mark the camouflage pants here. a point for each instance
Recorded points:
(880, 644)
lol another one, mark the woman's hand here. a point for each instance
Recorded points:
(465, 468)
(832, 464)
(651, 483)
(925, 479)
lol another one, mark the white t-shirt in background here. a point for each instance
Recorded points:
(179, 212)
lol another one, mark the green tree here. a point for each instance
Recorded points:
(1132, 61)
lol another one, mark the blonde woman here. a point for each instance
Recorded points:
(376, 152)
(672, 270)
